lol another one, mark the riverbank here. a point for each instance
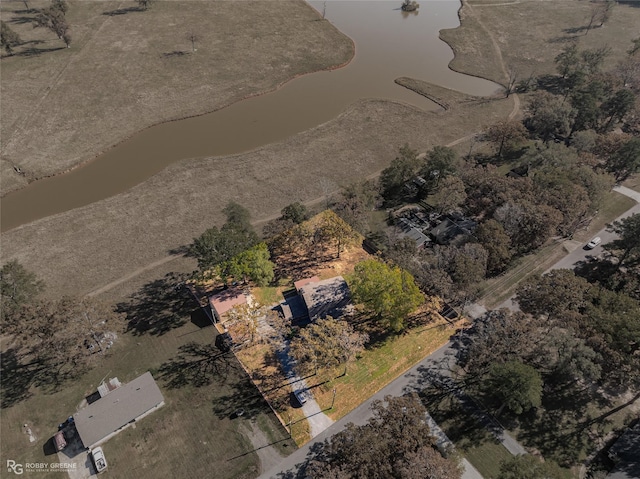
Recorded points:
(122, 74)
(83, 249)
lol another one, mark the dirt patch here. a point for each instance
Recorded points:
(62, 107)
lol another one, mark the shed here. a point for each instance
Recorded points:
(117, 410)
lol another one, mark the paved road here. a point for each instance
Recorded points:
(426, 371)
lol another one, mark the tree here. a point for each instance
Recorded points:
(253, 264)
(627, 245)
(600, 14)
(496, 242)
(549, 116)
(8, 38)
(325, 344)
(552, 294)
(193, 38)
(145, 4)
(355, 202)
(441, 162)
(528, 466)
(515, 385)
(505, 134)
(617, 106)
(626, 160)
(396, 443)
(53, 18)
(60, 336)
(216, 246)
(450, 195)
(18, 287)
(393, 178)
(387, 291)
(243, 321)
(527, 224)
(332, 228)
(295, 212)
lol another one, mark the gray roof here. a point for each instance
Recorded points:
(329, 297)
(116, 409)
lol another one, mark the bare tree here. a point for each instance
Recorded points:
(53, 18)
(193, 38)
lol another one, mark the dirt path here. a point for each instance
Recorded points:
(268, 455)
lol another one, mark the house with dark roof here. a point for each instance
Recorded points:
(410, 230)
(117, 410)
(314, 299)
(452, 228)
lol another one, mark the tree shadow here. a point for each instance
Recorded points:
(22, 19)
(32, 52)
(176, 53)
(197, 365)
(16, 378)
(159, 306)
(551, 83)
(596, 271)
(122, 11)
(244, 396)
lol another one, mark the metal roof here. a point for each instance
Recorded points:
(118, 408)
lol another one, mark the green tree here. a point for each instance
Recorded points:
(496, 242)
(441, 162)
(515, 385)
(216, 246)
(529, 467)
(505, 134)
(326, 344)
(617, 106)
(626, 160)
(549, 116)
(552, 294)
(396, 444)
(8, 38)
(387, 291)
(253, 264)
(627, 245)
(295, 212)
(393, 178)
(18, 287)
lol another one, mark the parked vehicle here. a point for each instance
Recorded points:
(301, 396)
(594, 242)
(98, 459)
(59, 441)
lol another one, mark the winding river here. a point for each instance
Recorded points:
(389, 44)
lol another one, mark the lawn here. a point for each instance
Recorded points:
(181, 438)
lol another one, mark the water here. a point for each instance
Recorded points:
(389, 44)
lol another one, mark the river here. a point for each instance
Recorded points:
(389, 44)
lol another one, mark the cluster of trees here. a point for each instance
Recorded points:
(8, 38)
(395, 443)
(325, 235)
(51, 339)
(234, 250)
(326, 345)
(567, 331)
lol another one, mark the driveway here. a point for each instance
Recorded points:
(413, 380)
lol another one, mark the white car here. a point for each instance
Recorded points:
(98, 459)
(594, 242)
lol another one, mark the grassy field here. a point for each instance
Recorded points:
(488, 27)
(123, 72)
(181, 439)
